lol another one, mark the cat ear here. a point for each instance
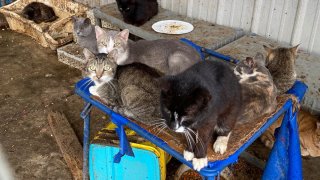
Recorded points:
(249, 62)
(99, 32)
(87, 54)
(87, 21)
(294, 49)
(124, 34)
(269, 50)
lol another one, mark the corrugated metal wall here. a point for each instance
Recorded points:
(290, 21)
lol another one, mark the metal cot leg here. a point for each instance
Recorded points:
(85, 115)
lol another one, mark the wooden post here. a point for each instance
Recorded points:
(68, 143)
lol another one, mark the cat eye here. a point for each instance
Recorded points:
(116, 44)
(127, 9)
(107, 68)
(120, 9)
(92, 68)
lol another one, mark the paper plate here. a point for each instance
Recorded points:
(172, 27)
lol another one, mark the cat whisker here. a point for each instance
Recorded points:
(86, 83)
(156, 126)
(164, 127)
(197, 138)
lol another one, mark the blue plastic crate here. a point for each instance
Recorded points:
(144, 164)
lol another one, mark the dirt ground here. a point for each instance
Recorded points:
(33, 82)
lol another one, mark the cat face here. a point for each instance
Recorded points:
(100, 68)
(249, 65)
(81, 26)
(126, 7)
(181, 103)
(281, 55)
(105, 42)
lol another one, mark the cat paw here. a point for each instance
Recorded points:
(220, 146)
(188, 155)
(93, 90)
(200, 163)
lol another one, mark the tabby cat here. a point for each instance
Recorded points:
(137, 12)
(130, 90)
(258, 91)
(203, 100)
(39, 12)
(309, 133)
(85, 33)
(167, 56)
(281, 64)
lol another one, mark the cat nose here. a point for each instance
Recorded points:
(99, 76)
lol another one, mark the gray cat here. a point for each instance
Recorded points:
(169, 57)
(281, 64)
(130, 90)
(85, 33)
(258, 90)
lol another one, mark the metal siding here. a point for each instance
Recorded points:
(289, 21)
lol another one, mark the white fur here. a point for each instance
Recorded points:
(93, 90)
(180, 129)
(244, 77)
(121, 59)
(110, 45)
(103, 50)
(188, 155)
(200, 163)
(220, 146)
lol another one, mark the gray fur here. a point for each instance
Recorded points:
(169, 57)
(85, 33)
(258, 90)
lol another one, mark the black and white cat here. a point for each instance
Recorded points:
(203, 100)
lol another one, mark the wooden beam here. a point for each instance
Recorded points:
(68, 143)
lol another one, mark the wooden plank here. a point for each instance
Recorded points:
(68, 143)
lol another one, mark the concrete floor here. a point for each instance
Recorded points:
(33, 82)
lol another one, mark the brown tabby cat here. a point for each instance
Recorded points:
(281, 64)
(130, 90)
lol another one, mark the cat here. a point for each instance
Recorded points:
(85, 33)
(105, 40)
(169, 57)
(281, 64)
(137, 12)
(203, 100)
(309, 134)
(258, 90)
(130, 90)
(39, 12)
